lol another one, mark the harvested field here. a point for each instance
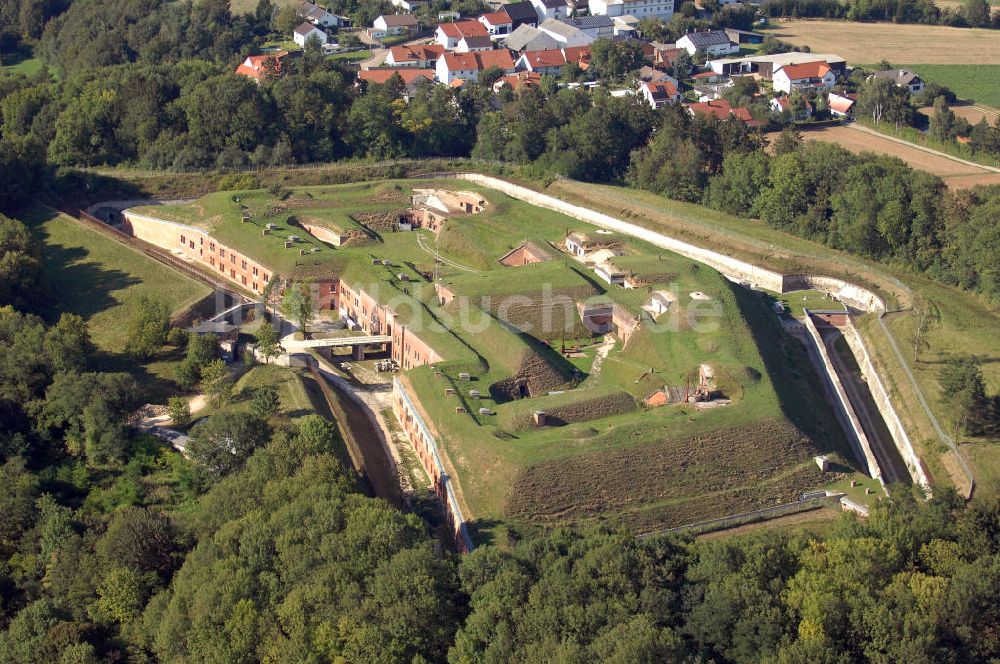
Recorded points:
(955, 174)
(872, 42)
(674, 482)
(973, 113)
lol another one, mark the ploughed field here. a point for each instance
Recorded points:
(517, 331)
(955, 174)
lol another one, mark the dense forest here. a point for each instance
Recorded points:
(115, 548)
(260, 545)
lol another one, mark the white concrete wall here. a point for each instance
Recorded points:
(845, 411)
(732, 268)
(884, 403)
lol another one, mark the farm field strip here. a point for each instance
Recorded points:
(872, 42)
(956, 174)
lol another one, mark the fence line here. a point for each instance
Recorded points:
(945, 438)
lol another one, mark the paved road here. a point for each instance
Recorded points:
(894, 470)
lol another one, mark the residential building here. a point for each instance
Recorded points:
(259, 67)
(722, 110)
(712, 43)
(308, 31)
(665, 54)
(840, 105)
(452, 66)
(649, 74)
(412, 78)
(626, 26)
(593, 26)
(551, 61)
(450, 34)
(516, 81)
(497, 23)
(804, 76)
(520, 13)
(319, 16)
(640, 9)
(904, 78)
(783, 104)
(420, 56)
(659, 94)
(564, 33)
(550, 9)
(408, 5)
(528, 38)
(390, 25)
(764, 66)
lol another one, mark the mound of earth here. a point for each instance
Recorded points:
(533, 376)
(584, 410)
(672, 482)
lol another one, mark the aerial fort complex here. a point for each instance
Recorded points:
(549, 364)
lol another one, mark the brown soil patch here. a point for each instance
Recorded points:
(867, 43)
(672, 483)
(955, 174)
(955, 473)
(973, 113)
(378, 221)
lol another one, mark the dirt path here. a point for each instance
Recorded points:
(446, 261)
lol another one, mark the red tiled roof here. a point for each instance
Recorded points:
(497, 18)
(663, 91)
(467, 28)
(518, 80)
(720, 108)
(254, 66)
(705, 74)
(416, 53)
(817, 69)
(840, 104)
(743, 113)
(557, 57)
(381, 76)
(551, 57)
(479, 60)
(578, 54)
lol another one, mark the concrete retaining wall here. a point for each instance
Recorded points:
(423, 442)
(845, 411)
(884, 403)
(733, 268)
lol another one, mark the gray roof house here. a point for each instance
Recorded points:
(904, 78)
(527, 38)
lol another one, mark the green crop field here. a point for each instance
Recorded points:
(978, 83)
(100, 279)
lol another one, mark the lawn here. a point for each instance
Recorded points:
(351, 56)
(979, 83)
(959, 322)
(100, 279)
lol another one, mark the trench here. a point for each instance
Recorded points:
(890, 461)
